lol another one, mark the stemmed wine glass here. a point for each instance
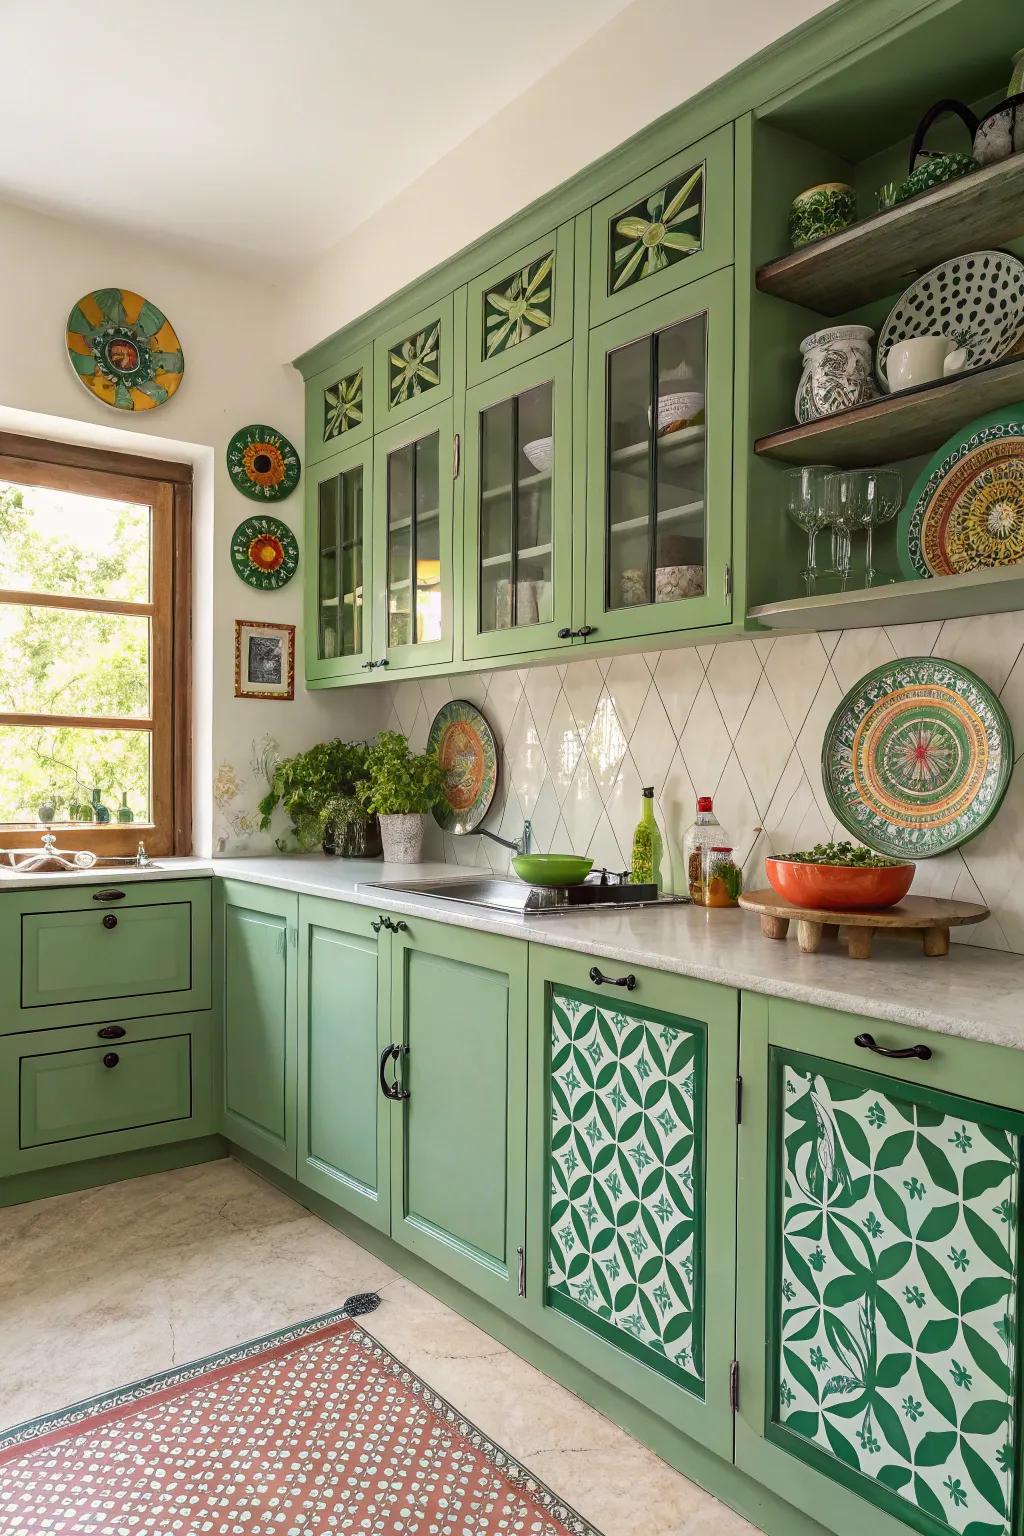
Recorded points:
(860, 498)
(806, 505)
(842, 519)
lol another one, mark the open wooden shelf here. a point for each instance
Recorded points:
(898, 426)
(883, 253)
(902, 602)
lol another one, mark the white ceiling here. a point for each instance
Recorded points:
(262, 129)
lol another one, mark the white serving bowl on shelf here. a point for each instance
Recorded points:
(678, 410)
(541, 453)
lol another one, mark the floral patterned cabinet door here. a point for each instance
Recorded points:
(631, 1248)
(413, 364)
(892, 1278)
(521, 306)
(339, 406)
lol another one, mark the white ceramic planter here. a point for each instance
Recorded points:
(402, 837)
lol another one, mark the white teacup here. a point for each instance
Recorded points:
(922, 359)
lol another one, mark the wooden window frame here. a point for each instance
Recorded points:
(166, 487)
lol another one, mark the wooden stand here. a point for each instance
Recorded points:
(926, 917)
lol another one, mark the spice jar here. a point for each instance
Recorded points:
(722, 880)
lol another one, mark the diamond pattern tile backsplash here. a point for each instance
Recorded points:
(742, 721)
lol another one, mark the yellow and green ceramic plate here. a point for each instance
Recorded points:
(466, 748)
(124, 349)
(966, 511)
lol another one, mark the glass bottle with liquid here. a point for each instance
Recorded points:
(705, 832)
(645, 864)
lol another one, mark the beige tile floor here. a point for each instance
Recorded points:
(107, 1285)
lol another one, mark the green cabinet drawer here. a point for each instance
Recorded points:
(67, 1094)
(100, 952)
(91, 1090)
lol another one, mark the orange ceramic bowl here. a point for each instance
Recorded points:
(839, 887)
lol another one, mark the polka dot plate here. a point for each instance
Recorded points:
(977, 300)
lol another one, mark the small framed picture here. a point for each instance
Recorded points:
(264, 660)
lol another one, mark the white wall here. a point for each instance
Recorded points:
(650, 58)
(235, 373)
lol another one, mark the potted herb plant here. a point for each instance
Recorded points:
(401, 787)
(321, 790)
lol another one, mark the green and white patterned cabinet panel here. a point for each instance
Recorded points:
(337, 581)
(634, 1220)
(670, 226)
(659, 483)
(413, 364)
(892, 1274)
(518, 532)
(521, 306)
(339, 405)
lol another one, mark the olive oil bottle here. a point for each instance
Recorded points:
(648, 848)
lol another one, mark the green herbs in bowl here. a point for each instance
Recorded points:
(847, 855)
(839, 877)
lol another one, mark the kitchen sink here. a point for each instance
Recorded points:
(597, 894)
(51, 860)
(499, 895)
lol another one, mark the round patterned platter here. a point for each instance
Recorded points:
(264, 553)
(124, 349)
(977, 300)
(967, 508)
(465, 745)
(917, 757)
(262, 463)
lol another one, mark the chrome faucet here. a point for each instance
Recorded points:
(519, 845)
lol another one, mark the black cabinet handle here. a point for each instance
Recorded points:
(109, 920)
(912, 1052)
(392, 1090)
(577, 634)
(600, 980)
(112, 1032)
(111, 1059)
(108, 895)
(377, 924)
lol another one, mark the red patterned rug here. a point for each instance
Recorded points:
(315, 1429)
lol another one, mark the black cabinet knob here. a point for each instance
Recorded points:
(111, 1059)
(112, 1032)
(109, 920)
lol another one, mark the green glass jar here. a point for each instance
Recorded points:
(645, 864)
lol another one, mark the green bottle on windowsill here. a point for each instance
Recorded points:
(125, 814)
(645, 866)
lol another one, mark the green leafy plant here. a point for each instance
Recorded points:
(847, 854)
(398, 781)
(319, 789)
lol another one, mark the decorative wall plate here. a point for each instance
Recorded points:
(264, 553)
(124, 349)
(976, 299)
(966, 509)
(917, 757)
(464, 741)
(262, 463)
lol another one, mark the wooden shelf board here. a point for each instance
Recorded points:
(877, 256)
(898, 426)
(902, 602)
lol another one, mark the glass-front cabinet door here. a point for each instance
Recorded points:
(518, 518)
(414, 473)
(659, 496)
(338, 501)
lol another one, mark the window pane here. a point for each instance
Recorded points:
(87, 546)
(65, 765)
(60, 661)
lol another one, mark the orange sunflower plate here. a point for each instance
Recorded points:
(262, 463)
(264, 553)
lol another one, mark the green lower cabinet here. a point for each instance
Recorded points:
(343, 1123)
(884, 1194)
(95, 1090)
(255, 935)
(631, 1182)
(458, 1017)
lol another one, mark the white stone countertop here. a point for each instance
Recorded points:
(973, 992)
(160, 869)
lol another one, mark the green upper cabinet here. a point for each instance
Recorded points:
(414, 477)
(631, 1181)
(886, 1193)
(338, 579)
(339, 406)
(521, 306)
(659, 489)
(518, 535)
(670, 226)
(414, 364)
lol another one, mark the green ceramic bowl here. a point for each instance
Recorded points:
(551, 869)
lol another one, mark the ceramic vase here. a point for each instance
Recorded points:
(402, 837)
(820, 211)
(837, 371)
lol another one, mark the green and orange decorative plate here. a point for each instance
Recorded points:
(966, 510)
(264, 553)
(917, 757)
(124, 349)
(465, 745)
(262, 463)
